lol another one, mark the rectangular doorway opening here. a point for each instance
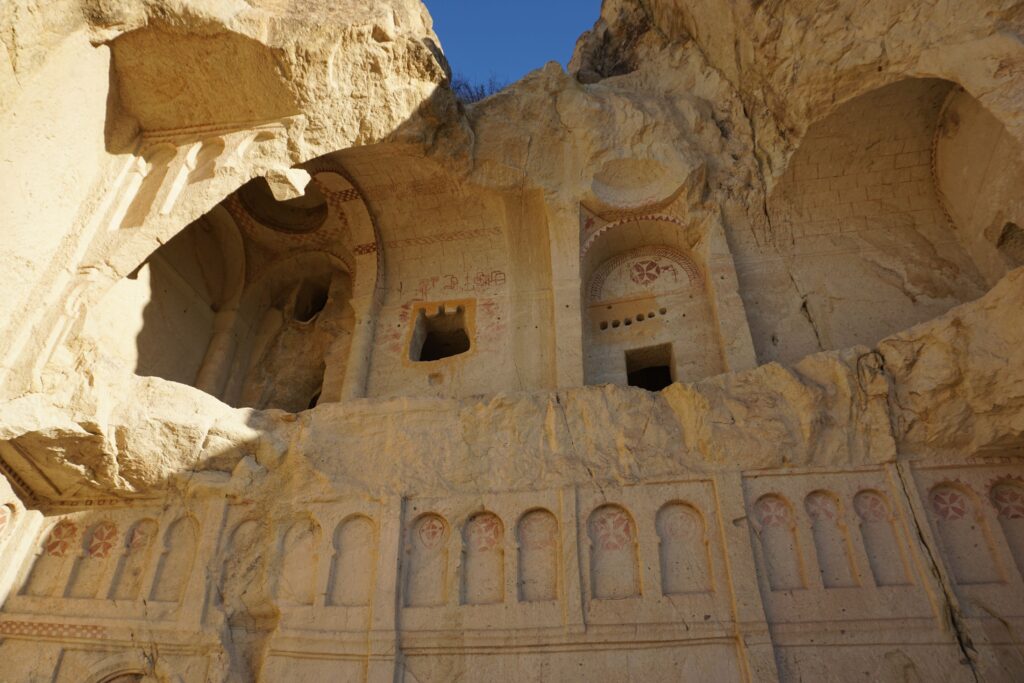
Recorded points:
(650, 367)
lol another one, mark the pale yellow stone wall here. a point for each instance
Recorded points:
(234, 229)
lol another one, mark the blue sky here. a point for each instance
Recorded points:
(509, 38)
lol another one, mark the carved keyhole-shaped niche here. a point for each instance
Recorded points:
(831, 544)
(355, 555)
(683, 550)
(779, 547)
(878, 533)
(614, 570)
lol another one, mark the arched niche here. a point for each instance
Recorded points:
(964, 534)
(614, 553)
(649, 319)
(299, 550)
(781, 557)
(889, 213)
(352, 568)
(483, 560)
(294, 325)
(160, 320)
(177, 555)
(426, 579)
(682, 549)
(831, 541)
(539, 550)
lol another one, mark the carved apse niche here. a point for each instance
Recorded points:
(898, 205)
(260, 302)
(649, 320)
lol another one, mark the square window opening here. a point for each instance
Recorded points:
(439, 335)
(650, 367)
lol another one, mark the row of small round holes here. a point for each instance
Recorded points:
(640, 317)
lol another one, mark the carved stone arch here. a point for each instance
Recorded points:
(963, 533)
(172, 316)
(123, 667)
(614, 553)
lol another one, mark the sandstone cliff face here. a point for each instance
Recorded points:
(310, 370)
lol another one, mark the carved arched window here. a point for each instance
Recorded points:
(355, 555)
(483, 553)
(538, 556)
(614, 570)
(877, 531)
(427, 578)
(781, 552)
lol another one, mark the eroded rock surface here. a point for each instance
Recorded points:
(701, 358)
